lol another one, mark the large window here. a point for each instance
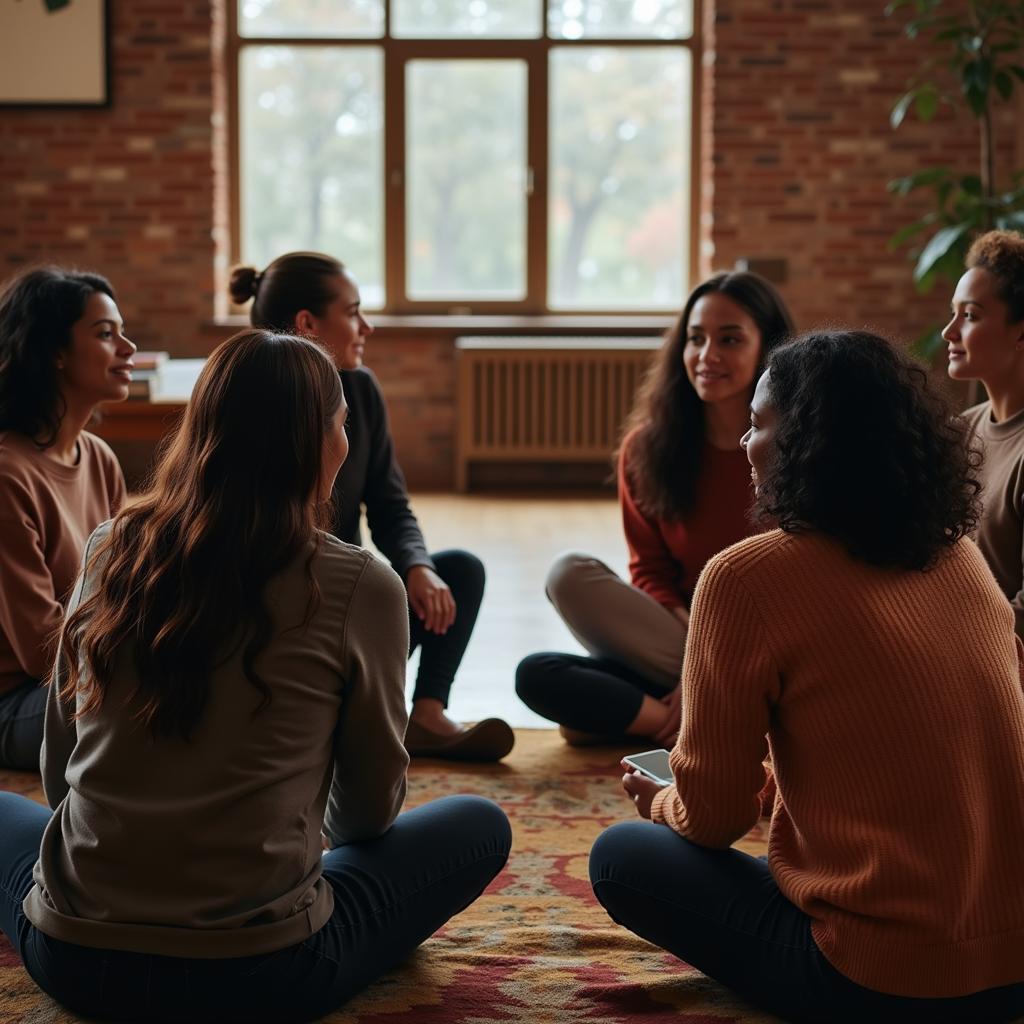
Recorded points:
(470, 155)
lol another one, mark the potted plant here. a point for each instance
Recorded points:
(977, 61)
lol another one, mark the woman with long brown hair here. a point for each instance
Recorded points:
(684, 488)
(230, 687)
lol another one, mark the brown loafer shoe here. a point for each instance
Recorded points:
(489, 740)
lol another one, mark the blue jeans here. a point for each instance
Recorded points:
(22, 712)
(722, 912)
(390, 894)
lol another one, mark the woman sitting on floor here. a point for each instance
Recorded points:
(227, 673)
(685, 492)
(868, 640)
(314, 295)
(986, 343)
(62, 352)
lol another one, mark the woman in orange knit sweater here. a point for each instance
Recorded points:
(865, 645)
(685, 494)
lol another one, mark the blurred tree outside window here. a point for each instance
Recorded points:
(492, 155)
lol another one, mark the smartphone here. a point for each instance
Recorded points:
(653, 764)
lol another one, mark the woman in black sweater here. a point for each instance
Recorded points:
(313, 295)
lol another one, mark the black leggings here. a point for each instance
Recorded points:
(595, 695)
(441, 656)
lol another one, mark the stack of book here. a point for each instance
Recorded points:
(145, 384)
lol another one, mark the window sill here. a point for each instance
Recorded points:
(397, 325)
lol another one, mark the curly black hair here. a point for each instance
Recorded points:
(665, 454)
(38, 308)
(867, 451)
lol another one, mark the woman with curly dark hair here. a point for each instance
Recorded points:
(986, 343)
(866, 646)
(685, 493)
(63, 350)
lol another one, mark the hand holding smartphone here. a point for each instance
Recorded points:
(652, 764)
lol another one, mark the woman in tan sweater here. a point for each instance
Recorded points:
(230, 686)
(986, 342)
(63, 350)
(866, 647)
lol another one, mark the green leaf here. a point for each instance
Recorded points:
(1017, 70)
(977, 100)
(1010, 221)
(929, 176)
(926, 104)
(899, 112)
(938, 245)
(971, 184)
(907, 232)
(1004, 84)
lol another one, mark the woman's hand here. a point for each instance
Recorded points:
(640, 789)
(430, 598)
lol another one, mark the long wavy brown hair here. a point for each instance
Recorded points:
(234, 499)
(666, 452)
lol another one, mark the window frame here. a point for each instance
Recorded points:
(535, 52)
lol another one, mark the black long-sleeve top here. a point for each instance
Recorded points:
(371, 476)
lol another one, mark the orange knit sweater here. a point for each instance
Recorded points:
(894, 714)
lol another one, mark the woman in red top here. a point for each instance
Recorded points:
(684, 487)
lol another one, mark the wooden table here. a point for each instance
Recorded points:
(138, 420)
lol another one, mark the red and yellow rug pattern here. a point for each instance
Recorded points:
(536, 947)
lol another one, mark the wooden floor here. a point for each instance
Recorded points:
(517, 539)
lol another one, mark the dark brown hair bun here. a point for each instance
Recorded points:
(243, 285)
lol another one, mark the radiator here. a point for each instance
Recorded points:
(552, 399)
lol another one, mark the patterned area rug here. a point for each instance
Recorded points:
(536, 947)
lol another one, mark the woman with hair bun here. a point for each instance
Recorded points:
(986, 342)
(864, 644)
(229, 699)
(63, 351)
(685, 493)
(315, 296)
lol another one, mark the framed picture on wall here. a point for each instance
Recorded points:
(54, 53)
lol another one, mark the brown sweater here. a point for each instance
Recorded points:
(1001, 530)
(47, 511)
(211, 848)
(894, 715)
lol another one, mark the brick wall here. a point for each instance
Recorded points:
(797, 151)
(802, 152)
(127, 190)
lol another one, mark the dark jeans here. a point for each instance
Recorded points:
(440, 656)
(721, 912)
(21, 726)
(595, 695)
(390, 894)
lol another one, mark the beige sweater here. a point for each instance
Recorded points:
(211, 848)
(893, 708)
(1001, 530)
(47, 511)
